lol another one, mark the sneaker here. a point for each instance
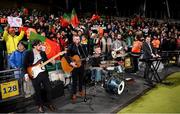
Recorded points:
(51, 107)
(27, 95)
(40, 109)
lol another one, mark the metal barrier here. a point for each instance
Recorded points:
(10, 87)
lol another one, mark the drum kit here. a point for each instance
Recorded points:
(109, 75)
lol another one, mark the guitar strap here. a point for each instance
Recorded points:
(83, 51)
(79, 52)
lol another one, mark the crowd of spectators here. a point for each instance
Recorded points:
(101, 32)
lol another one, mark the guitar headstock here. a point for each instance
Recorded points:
(63, 52)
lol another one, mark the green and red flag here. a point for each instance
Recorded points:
(95, 17)
(65, 20)
(28, 32)
(23, 28)
(74, 19)
(35, 36)
(51, 48)
(25, 11)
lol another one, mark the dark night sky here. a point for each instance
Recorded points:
(154, 8)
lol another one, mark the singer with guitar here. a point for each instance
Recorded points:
(75, 51)
(32, 57)
(119, 48)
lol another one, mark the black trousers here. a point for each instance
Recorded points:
(147, 71)
(1, 60)
(135, 62)
(43, 79)
(77, 79)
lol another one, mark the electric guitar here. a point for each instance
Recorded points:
(118, 53)
(37, 68)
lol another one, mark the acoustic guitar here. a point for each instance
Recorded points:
(68, 68)
(37, 68)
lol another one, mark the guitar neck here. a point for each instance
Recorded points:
(57, 55)
(89, 57)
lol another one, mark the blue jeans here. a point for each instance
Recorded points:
(18, 74)
(96, 74)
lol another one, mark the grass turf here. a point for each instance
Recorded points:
(161, 99)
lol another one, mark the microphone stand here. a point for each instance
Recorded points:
(85, 80)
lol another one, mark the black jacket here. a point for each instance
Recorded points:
(73, 50)
(29, 59)
(146, 51)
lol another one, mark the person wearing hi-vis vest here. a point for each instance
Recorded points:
(11, 40)
(156, 43)
(136, 51)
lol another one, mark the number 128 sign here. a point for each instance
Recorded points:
(9, 89)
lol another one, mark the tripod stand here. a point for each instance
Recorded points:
(86, 76)
(96, 76)
(85, 97)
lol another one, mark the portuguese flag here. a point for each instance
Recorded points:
(35, 36)
(74, 19)
(95, 17)
(51, 48)
(65, 20)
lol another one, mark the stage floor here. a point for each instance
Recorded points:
(100, 101)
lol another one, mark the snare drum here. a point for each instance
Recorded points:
(115, 85)
(110, 68)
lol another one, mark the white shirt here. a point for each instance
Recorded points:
(37, 57)
(150, 47)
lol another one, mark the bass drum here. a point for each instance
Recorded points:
(115, 85)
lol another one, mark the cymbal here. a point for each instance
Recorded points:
(105, 65)
(113, 62)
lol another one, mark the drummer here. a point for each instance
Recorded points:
(96, 70)
(96, 60)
